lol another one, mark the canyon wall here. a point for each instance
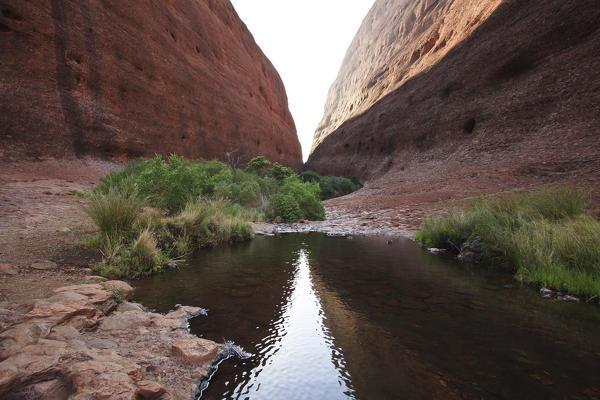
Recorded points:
(126, 78)
(493, 93)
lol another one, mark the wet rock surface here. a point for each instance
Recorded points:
(81, 344)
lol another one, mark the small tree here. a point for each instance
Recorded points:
(258, 165)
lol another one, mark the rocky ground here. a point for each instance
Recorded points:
(62, 331)
(58, 341)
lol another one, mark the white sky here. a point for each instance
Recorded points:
(306, 41)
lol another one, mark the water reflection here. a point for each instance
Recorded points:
(330, 318)
(298, 353)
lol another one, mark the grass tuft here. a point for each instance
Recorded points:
(113, 212)
(543, 236)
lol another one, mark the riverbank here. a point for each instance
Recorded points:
(41, 216)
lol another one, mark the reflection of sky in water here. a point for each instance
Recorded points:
(299, 352)
(333, 318)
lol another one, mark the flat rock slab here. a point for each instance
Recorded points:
(196, 351)
(43, 265)
(8, 269)
(74, 344)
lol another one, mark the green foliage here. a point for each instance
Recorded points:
(543, 236)
(280, 173)
(258, 165)
(160, 208)
(284, 206)
(306, 196)
(331, 186)
(113, 212)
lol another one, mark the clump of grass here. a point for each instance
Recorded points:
(212, 222)
(113, 212)
(544, 236)
(145, 248)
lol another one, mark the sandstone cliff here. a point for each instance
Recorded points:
(131, 78)
(490, 94)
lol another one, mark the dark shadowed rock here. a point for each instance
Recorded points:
(131, 78)
(475, 91)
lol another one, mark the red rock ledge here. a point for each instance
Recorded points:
(81, 343)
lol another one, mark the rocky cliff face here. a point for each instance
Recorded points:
(469, 90)
(131, 78)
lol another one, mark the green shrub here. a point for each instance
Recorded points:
(307, 198)
(331, 186)
(543, 236)
(258, 165)
(158, 207)
(280, 173)
(113, 212)
(284, 206)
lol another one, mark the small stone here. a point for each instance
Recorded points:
(8, 269)
(119, 286)
(149, 389)
(544, 291)
(508, 286)
(43, 265)
(567, 298)
(64, 229)
(196, 351)
(435, 250)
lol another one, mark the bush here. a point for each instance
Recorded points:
(280, 173)
(331, 186)
(284, 206)
(543, 236)
(258, 165)
(113, 212)
(306, 196)
(192, 204)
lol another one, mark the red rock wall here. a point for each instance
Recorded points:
(130, 78)
(464, 83)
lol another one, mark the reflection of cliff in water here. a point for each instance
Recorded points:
(242, 286)
(412, 326)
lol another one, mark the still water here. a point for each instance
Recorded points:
(338, 318)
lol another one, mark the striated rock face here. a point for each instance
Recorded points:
(467, 87)
(131, 78)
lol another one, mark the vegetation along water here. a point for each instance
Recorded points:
(156, 210)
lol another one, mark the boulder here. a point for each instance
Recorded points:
(149, 389)
(95, 293)
(120, 287)
(34, 363)
(43, 265)
(195, 350)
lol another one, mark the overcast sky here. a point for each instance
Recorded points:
(306, 41)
